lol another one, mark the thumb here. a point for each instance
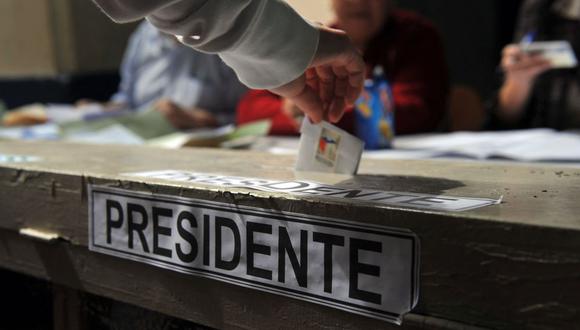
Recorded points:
(304, 97)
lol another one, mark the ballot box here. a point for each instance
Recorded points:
(237, 239)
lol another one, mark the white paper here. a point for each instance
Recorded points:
(113, 134)
(326, 191)
(47, 131)
(327, 148)
(65, 113)
(522, 145)
(372, 270)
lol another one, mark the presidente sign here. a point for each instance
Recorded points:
(364, 269)
(309, 188)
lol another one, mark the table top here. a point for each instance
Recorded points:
(531, 194)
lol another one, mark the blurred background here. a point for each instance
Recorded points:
(68, 50)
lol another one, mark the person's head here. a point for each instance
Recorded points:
(361, 19)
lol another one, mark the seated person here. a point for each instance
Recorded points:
(190, 88)
(408, 48)
(533, 95)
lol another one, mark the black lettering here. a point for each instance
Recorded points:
(329, 241)
(322, 190)
(353, 193)
(282, 185)
(285, 248)
(113, 223)
(160, 230)
(357, 268)
(427, 201)
(187, 236)
(137, 227)
(206, 239)
(392, 196)
(221, 222)
(218, 181)
(252, 248)
(249, 183)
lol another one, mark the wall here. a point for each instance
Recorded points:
(26, 44)
(314, 10)
(43, 38)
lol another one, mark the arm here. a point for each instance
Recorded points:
(420, 84)
(131, 57)
(241, 31)
(259, 105)
(266, 42)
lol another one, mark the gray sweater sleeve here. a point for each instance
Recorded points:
(265, 41)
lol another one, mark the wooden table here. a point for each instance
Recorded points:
(507, 266)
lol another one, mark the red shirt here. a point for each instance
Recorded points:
(410, 50)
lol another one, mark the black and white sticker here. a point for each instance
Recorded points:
(364, 269)
(309, 188)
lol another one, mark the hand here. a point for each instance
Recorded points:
(106, 107)
(333, 81)
(292, 111)
(521, 71)
(185, 118)
(521, 67)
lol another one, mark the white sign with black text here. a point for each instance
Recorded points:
(364, 269)
(327, 191)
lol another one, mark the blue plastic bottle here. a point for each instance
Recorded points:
(375, 113)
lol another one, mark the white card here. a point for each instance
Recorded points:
(559, 53)
(327, 148)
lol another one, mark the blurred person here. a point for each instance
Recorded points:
(405, 45)
(191, 89)
(533, 94)
(267, 44)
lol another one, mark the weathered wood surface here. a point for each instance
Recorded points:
(509, 266)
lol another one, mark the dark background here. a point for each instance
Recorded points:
(474, 33)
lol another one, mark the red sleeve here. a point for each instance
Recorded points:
(260, 105)
(420, 81)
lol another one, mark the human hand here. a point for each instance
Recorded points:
(521, 70)
(521, 67)
(184, 118)
(292, 111)
(333, 81)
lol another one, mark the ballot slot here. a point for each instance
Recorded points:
(364, 269)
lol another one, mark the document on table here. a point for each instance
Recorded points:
(523, 145)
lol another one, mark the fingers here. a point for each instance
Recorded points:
(356, 77)
(309, 102)
(304, 95)
(514, 60)
(334, 79)
(326, 83)
(336, 50)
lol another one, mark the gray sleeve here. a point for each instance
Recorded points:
(265, 41)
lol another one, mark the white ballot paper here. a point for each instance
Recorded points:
(327, 148)
(559, 53)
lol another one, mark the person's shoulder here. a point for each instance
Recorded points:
(412, 23)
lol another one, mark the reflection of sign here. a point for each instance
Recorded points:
(307, 188)
(328, 143)
(13, 159)
(364, 269)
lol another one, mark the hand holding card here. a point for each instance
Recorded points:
(560, 54)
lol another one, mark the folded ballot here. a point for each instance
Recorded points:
(327, 148)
